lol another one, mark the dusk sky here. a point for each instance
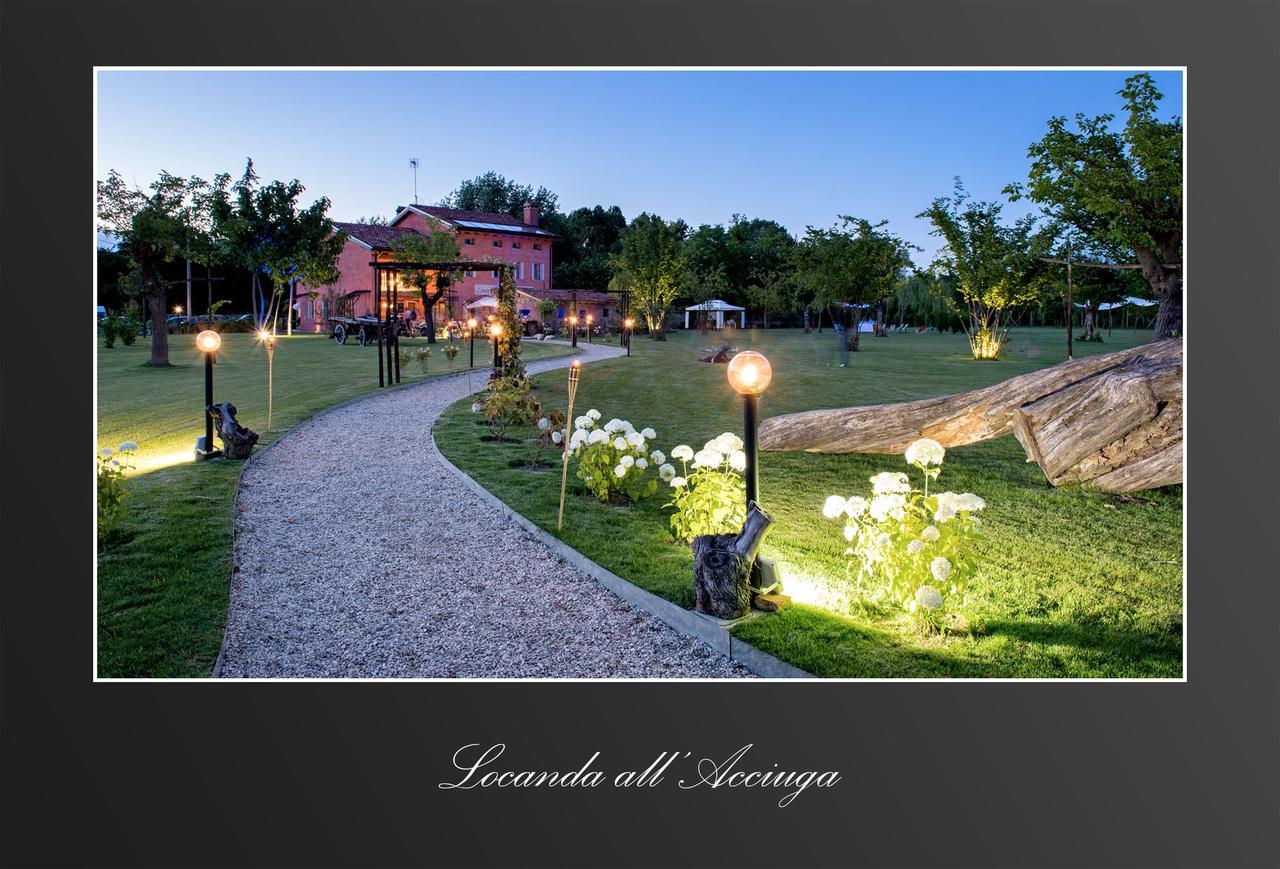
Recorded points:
(797, 147)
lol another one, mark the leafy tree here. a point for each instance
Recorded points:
(995, 267)
(114, 287)
(765, 250)
(434, 247)
(497, 194)
(650, 266)
(853, 263)
(373, 220)
(588, 237)
(151, 229)
(769, 291)
(261, 227)
(1092, 286)
(1120, 187)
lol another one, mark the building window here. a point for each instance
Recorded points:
(469, 273)
(497, 244)
(604, 313)
(495, 274)
(519, 271)
(516, 245)
(560, 312)
(469, 241)
(537, 271)
(537, 247)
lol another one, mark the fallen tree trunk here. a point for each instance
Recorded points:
(722, 566)
(1113, 421)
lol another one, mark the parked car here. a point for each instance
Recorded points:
(101, 312)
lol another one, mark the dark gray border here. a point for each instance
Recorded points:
(935, 774)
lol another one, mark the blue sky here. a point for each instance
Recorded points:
(797, 147)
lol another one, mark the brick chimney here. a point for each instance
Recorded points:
(530, 214)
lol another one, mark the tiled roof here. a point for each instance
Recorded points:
(377, 237)
(594, 297)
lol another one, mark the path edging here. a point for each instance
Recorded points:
(685, 621)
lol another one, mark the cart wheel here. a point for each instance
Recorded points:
(340, 334)
(364, 336)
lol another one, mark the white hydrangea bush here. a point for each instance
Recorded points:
(907, 546)
(614, 459)
(709, 492)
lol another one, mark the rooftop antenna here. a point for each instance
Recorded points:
(413, 163)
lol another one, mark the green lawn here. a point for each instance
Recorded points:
(1073, 583)
(164, 574)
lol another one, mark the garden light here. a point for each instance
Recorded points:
(628, 325)
(495, 330)
(573, 329)
(269, 339)
(750, 373)
(588, 328)
(207, 342)
(575, 369)
(471, 331)
(177, 309)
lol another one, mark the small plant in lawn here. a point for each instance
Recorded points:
(916, 550)
(710, 499)
(113, 467)
(451, 352)
(550, 434)
(508, 404)
(613, 459)
(424, 359)
(109, 332)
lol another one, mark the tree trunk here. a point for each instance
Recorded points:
(1103, 420)
(722, 566)
(155, 296)
(1166, 283)
(807, 327)
(237, 441)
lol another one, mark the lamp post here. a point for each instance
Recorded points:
(573, 328)
(207, 342)
(749, 375)
(629, 326)
(495, 329)
(471, 328)
(269, 339)
(589, 318)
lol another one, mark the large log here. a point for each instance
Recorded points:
(722, 566)
(1083, 421)
(237, 441)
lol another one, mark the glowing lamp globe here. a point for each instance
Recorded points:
(630, 322)
(208, 341)
(750, 373)
(496, 329)
(471, 323)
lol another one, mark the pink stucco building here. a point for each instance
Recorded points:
(482, 236)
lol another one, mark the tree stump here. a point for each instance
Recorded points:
(722, 566)
(237, 441)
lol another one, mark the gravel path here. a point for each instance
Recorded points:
(357, 568)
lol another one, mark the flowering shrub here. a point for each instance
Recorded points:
(508, 404)
(915, 547)
(113, 466)
(613, 459)
(711, 498)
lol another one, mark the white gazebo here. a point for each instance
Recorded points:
(483, 302)
(718, 307)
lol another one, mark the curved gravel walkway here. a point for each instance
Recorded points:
(360, 554)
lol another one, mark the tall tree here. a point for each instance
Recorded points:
(434, 247)
(767, 258)
(498, 194)
(650, 266)
(855, 263)
(588, 237)
(1120, 187)
(151, 229)
(995, 267)
(262, 227)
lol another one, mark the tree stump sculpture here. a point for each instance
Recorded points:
(722, 566)
(237, 441)
(1112, 421)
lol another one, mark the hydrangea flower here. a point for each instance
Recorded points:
(598, 436)
(641, 462)
(583, 422)
(614, 426)
(890, 482)
(970, 501)
(131, 447)
(925, 451)
(626, 461)
(678, 482)
(619, 472)
(855, 507)
(544, 424)
(915, 546)
(929, 534)
(636, 440)
(849, 532)
(666, 471)
(725, 443)
(556, 437)
(940, 568)
(107, 452)
(707, 458)
(833, 506)
(658, 457)
(888, 506)
(738, 460)
(648, 433)
(619, 443)
(593, 414)
(683, 452)
(928, 597)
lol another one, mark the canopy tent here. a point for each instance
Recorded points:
(718, 307)
(483, 302)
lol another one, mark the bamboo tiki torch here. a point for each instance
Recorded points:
(575, 368)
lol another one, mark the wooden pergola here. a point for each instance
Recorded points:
(385, 289)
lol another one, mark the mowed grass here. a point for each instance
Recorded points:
(165, 572)
(1073, 583)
